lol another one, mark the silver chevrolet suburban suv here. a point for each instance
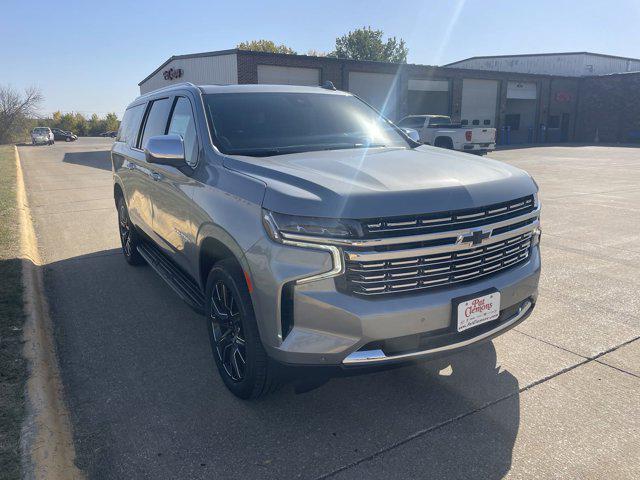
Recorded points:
(315, 236)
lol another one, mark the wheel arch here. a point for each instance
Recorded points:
(215, 245)
(443, 140)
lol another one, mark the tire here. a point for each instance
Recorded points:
(444, 143)
(128, 235)
(242, 362)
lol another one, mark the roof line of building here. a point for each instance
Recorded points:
(540, 55)
(332, 59)
(214, 53)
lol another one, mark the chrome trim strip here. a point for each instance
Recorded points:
(445, 281)
(364, 357)
(410, 238)
(419, 252)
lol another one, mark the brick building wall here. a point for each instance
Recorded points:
(566, 108)
(609, 106)
(337, 71)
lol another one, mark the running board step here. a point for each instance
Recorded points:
(180, 282)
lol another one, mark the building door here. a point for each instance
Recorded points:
(428, 97)
(479, 102)
(377, 89)
(521, 110)
(276, 75)
(564, 127)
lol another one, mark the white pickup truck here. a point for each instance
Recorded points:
(438, 130)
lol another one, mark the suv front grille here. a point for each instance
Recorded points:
(437, 270)
(441, 249)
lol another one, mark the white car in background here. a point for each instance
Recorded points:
(42, 136)
(439, 131)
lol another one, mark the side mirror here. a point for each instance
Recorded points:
(412, 134)
(165, 150)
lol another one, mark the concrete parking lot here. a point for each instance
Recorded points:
(558, 397)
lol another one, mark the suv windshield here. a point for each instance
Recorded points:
(40, 131)
(265, 124)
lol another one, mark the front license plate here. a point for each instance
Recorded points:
(478, 310)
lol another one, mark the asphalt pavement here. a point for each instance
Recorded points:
(558, 397)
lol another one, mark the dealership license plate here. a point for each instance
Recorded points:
(478, 310)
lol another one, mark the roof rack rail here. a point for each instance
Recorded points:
(168, 87)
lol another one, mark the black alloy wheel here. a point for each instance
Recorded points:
(228, 334)
(128, 237)
(242, 362)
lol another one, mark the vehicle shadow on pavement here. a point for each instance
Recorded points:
(96, 159)
(147, 402)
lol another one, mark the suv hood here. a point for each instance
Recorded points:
(366, 183)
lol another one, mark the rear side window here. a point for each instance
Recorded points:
(130, 125)
(156, 123)
(183, 124)
(412, 122)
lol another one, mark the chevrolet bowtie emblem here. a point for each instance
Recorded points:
(476, 237)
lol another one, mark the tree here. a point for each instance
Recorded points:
(16, 112)
(111, 122)
(366, 44)
(316, 53)
(265, 46)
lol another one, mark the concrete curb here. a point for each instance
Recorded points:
(47, 443)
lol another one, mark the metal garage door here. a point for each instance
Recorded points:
(429, 97)
(522, 90)
(274, 75)
(479, 101)
(377, 89)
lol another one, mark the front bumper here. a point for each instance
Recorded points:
(478, 147)
(333, 328)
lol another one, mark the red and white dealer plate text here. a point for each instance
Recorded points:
(479, 310)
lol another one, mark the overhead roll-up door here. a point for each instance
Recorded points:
(276, 75)
(479, 102)
(378, 89)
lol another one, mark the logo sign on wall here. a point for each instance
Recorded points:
(172, 73)
(563, 97)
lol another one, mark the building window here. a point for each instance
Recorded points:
(464, 122)
(554, 121)
(512, 120)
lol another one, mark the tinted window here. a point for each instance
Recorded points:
(264, 124)
(439, 122)
(183, 124)
(156, 123)
(130, 125)
(412, 122)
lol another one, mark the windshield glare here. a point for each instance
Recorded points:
(40, 131)
(264, 124)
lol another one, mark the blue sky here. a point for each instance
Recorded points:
(89, 56)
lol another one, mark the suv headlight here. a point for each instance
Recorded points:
(279, 225)
(308, 232)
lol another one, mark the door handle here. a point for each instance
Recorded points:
(155, 176)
